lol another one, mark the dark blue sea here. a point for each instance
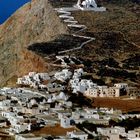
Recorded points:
(8, 7)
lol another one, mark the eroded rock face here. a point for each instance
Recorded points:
(34, 22)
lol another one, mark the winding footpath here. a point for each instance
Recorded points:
(66, 16)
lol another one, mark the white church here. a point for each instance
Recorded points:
(89, 5)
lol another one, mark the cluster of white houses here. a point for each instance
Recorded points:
(114, 133)
(67, 60)
(76, 83)
(103, 91)
(117, 90)
(26, 110)
(33, 79)
(29, 108)
(90, 89)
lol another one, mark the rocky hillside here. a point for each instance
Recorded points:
(34, 22)
(113, 57)
(115, 54)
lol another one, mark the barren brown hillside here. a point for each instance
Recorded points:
(34, 22)
(113, 57)
(54, 131)
(115, 54)
(122, 18)
(122, 104)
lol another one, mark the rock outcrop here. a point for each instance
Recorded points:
(35, 22)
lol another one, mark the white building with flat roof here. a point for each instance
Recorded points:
(63, 75)
(80, 135)
(121, 85)
(133, 134)
(102, 91)
(27, 137)
(81, 85)
(18, 128)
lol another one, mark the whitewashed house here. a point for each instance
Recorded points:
(92, 92)
(17, 109)
(25, 80)
(112, 130)
(63, 113)
(7, 90)
(133, 134)
(65, 122)
(54, 87)
(81, 85)
(31, 74)
(27, 137)
(41, 86)
(4, 90)
(68, 104)
(89, 116)
(80, 135)
(74, 82)
(13, 117)
(61, 58)
(19, 81)
(18, 128)
(102, 91)
(8, 115)
(113, 92)
(32, 110)
(62, 96)
(121, 85)
(33, 79)
(104, 131)
(118, 129)
(114, 136)
(63, 75)
(91, 111)
(44, 76)
(89, 5)
(78, 73)
(3, 124)
(133, 138)
(5, 104)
